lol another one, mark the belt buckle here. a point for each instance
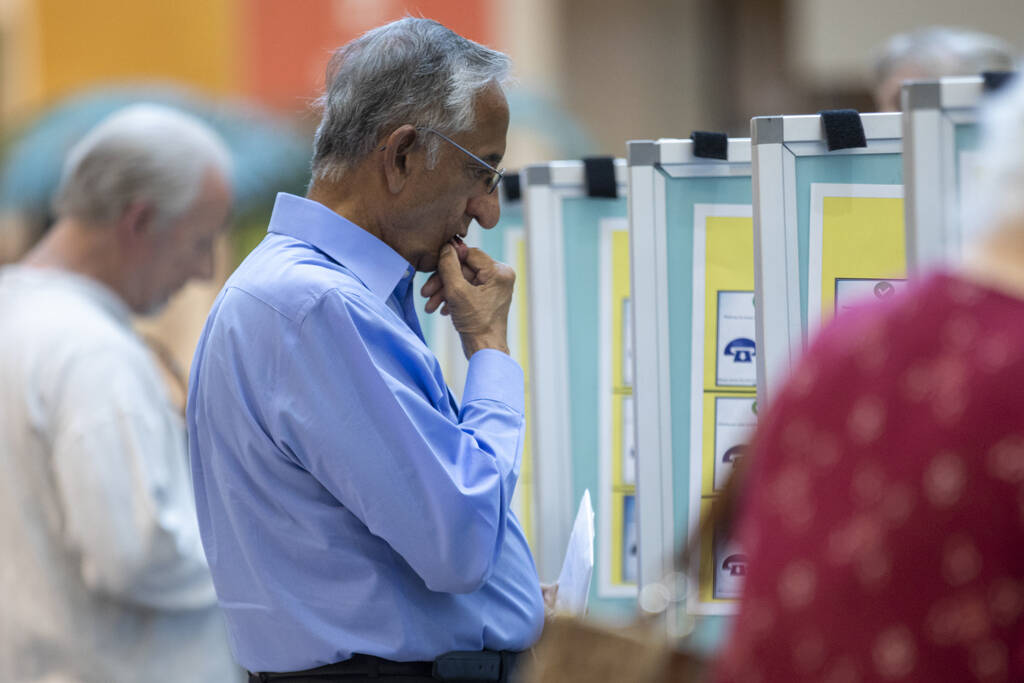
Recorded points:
(468, 666)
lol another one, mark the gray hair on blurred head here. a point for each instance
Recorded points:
(143, 153)
(999, 197)
(413, 71)
(944, 51)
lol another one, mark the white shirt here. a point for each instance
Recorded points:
(102, 574)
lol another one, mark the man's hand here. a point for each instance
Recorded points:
(549, 591)
(475, 290)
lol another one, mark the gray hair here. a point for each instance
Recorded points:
(142, 153)
(999, 183)
(944, 51)
(409, 71)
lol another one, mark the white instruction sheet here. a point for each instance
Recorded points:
(578, 566)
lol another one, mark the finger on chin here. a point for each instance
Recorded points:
(448, 266)
(460, 248)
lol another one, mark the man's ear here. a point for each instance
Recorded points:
(397, 148)
(136, 223)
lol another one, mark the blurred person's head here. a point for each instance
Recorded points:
(142, 198)
(396, 100)
(935, 52)
(998, 202)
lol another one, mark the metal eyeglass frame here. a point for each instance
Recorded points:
(496, 173)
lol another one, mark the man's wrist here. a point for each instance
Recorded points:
(472, 344)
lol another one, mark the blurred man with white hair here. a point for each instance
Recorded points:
(935, 52)
(103, 573)
(356, 517)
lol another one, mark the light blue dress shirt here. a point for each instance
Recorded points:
(346, 503)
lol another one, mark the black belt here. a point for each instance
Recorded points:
(469, 667)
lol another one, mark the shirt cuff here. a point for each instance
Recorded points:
(495, 376)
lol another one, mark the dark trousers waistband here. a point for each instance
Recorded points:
(487, 666)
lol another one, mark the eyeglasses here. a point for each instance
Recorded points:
(493, 180)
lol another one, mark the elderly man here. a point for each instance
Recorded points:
(356, 518)
(102, 572)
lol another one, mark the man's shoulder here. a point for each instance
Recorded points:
(59, 345)
(50, 317)
(289, 276)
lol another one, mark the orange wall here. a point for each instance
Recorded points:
(191, 41)
(274, 51)
(285, 51)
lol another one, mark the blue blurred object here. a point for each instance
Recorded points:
(269, 154)
(534, 111)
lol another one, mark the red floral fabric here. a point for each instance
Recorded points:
(884, 511)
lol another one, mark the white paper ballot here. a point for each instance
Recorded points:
(578, 566)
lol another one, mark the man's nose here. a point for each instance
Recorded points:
(485, 208)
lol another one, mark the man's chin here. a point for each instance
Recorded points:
(429, 263)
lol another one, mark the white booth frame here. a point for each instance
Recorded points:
(931, 112)
(545, 186)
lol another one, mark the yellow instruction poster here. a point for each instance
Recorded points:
(519, 346)
(723, 405)
(857, 247)
(619, 565)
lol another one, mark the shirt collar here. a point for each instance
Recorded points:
(378, 266)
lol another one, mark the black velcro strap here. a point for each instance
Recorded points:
(996, 80)
(600, 175)
(710, 145)
(510, 181)
(843, 129)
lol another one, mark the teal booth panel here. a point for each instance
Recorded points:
(869, 169)
(681, 196)
(940, 129)
(581, 232)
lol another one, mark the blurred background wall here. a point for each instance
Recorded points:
(591, 75)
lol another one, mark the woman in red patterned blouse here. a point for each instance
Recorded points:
(884, 506)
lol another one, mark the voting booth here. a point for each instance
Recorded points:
(693, 292)
(941, 164)
(504, 242)
(581, 367)
(828, 227)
